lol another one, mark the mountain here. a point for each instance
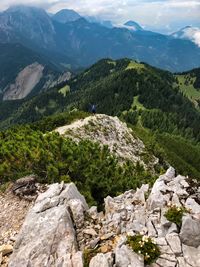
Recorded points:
(132, 25)
(80, 43)
(116, 87)
(24, 72)
(189, 33)
(66, 15)
(27, 24)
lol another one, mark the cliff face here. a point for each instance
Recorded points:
(26, 80)
(61, 230)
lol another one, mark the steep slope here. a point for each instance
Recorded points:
(117, 87)
(23, 71)
(26, 24)
(189, 84)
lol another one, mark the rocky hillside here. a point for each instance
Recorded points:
(112, 132)
(157, 227)
(23, 71)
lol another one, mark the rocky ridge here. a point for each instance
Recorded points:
(112, 132)
(60, 228)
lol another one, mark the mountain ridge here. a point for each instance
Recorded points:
(80, 43)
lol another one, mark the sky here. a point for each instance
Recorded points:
(164, 16)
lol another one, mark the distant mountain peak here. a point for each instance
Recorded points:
(189, 33)
(24, 9)
(66, 15)
(133, 25)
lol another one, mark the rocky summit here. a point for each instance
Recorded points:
(61, 230)
(112, 132)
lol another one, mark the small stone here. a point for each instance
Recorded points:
(90, 232)
(105, 248)
(6, 249)
(92, 212)
(107, 236)
(92, 244)
(192, 205)
(102, 260)
(125, 257)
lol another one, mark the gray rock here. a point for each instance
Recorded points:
(190, 231)
(139, 196)
(126, 257)
(47, 237)
(174, 243)
(77, 210)
(77, 259)
(165, 263)
(71, 192)
(192, 205)
(175, 200)
(151, 230)
(90, 232)
(156, 200)
(102, 260)
(25, 186)
(53, 190)
(170, 174)
(182, 262)
(92, 244)
(191, 255)
(92, 212)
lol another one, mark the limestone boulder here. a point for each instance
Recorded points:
(124, 257)
(190, 231)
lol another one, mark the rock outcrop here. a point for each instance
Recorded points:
(112, 132)
(60, 229)
(26, 80)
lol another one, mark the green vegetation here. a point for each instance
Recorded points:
(97, 173)
(88, 254)
(145, 246)
(166, 121)
(50, 123)
(149, 95)
(179, 152)
(135, 65)
(174, 214)
(186, 84)
(65, 90)
(137, 104)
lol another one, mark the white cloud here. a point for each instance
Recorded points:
(192, 34)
